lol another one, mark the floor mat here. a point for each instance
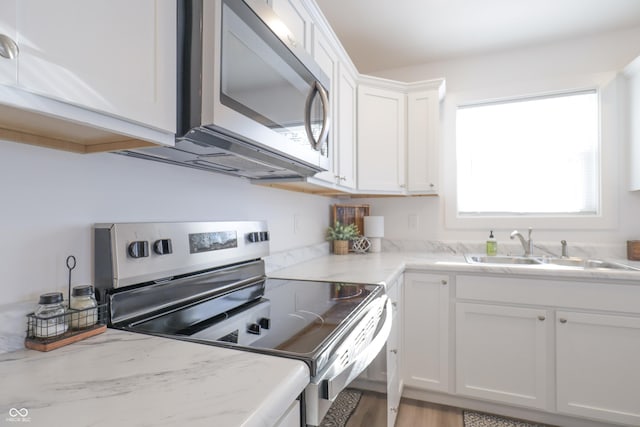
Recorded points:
(478, 419)
(341, 409)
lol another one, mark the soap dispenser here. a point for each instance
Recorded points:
(492, 245)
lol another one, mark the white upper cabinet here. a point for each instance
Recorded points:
(342, 99)
(632, 73)
(381, 139)
(88, 76)
(297, 20)
(345, 147)
(8, 45)
(113, 56)
(423, 136)
(385, 134)
(398, 136)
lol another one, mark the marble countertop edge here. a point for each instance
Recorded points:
(385, 267)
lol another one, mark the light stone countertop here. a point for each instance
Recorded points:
(124, 379)
(385, 267)
(127, 379)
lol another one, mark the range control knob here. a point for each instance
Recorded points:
(258, 236)
(163, 247)
(254, 329)
(139, 249)
(264, 322)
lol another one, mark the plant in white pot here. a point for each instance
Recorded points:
(340, 234)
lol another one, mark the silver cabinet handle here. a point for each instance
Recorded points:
(394, 351)
(8, 48)
(393, 409)
(318, 144)
(541, 318)
(444, 282)
(394, 303)
(563, 320)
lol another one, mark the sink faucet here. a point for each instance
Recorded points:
(526, 244)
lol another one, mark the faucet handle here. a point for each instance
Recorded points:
(530, 231)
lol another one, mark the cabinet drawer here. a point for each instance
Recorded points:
(550, 292)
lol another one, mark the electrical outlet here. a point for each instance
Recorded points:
(297, 223)
(413, 222)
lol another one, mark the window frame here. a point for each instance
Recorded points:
(598, 172)
(608, 142)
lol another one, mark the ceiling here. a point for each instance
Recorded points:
(381, 35)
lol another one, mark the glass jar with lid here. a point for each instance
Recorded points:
(83, 303)
(50, 318)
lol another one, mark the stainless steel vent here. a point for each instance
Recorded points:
(215, 150)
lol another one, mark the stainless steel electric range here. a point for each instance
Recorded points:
(205, 282)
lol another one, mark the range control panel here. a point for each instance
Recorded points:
(141, 252)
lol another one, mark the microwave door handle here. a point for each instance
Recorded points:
(324, 132)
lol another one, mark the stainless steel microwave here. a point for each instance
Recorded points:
(241, 73)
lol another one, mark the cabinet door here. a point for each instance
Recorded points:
(327, 59)
(381, 140)
(345, 146)
(426, 331)
(501, 353)
(113, 56)
(395, 351)
(291, 417)
(8, 67)
(632, 73)
(423, 128)
(297, 20)
(597, 371)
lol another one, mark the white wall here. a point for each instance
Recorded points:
(51, 199)
(539, 69)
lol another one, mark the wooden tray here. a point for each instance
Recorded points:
(350, 214)
(35, 344)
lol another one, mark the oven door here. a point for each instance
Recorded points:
(257, 86)
(355, 353)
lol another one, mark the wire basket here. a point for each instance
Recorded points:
(47, 333)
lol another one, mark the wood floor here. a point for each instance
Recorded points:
(372, 412)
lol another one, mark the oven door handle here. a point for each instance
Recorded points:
(330, 387)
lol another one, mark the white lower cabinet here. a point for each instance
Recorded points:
(394, 354)
(501, 353)
(291, 417)
(567, 347)
(426, 331)
(384, 373)
(597, 366)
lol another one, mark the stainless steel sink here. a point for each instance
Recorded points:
(484, 259)
(542, 261)
(588, 263)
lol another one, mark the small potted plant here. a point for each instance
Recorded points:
(340, 234)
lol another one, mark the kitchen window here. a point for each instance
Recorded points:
(529, 157)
